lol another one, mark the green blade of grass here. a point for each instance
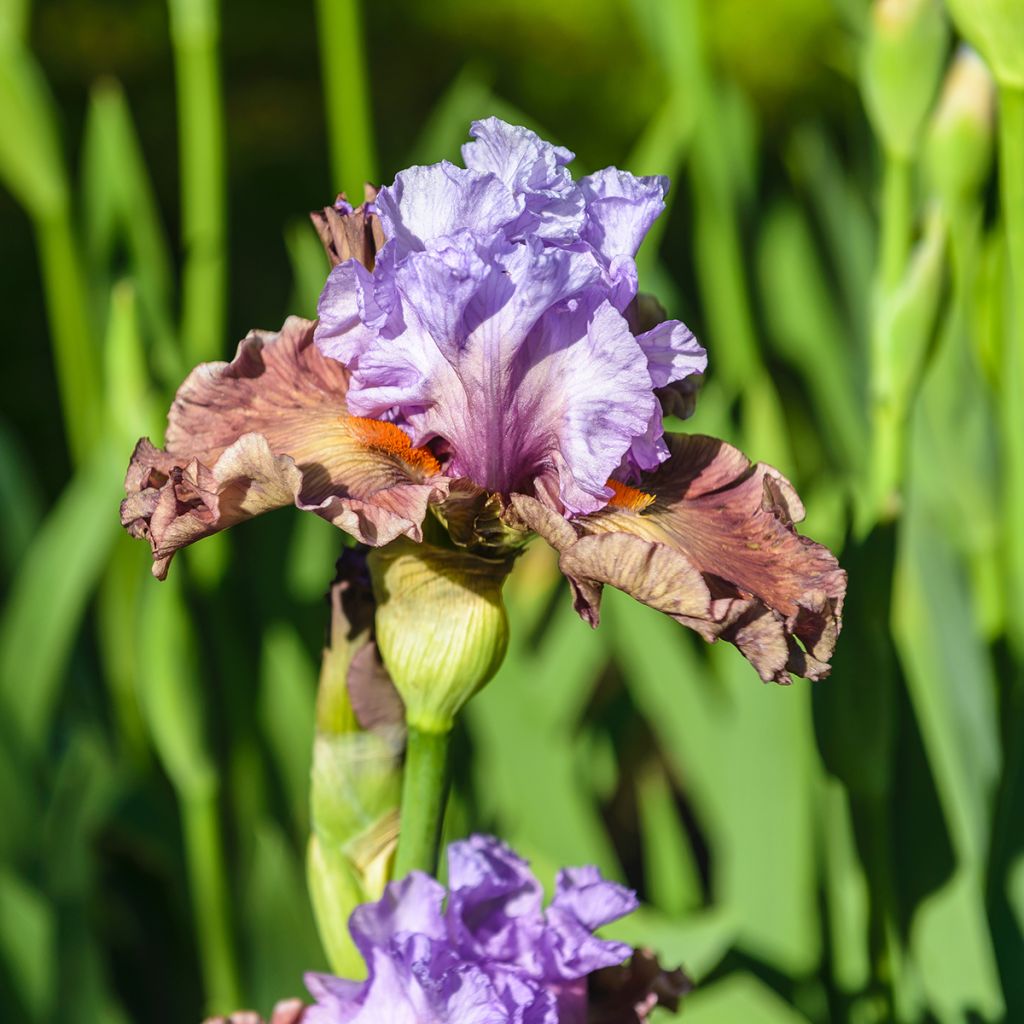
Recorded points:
(806, 326)
(347, 95)
(195, 32)
(745, 754)
(173, 706)
(287, 714)
(282, 938)
(20, 499)
(32, 167)
(28, 944)
(50, 594)
(119, 208)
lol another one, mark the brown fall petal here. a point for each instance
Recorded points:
(349, 234)
(716, 550)
(268, 429)
(629, 993)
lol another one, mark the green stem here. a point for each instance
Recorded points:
(195, 30)
(888, 429)
(349, 118)
(75, 354)
(424, 796)
(1011, 175)
(204, 855)
(897, 221)
(887, 419)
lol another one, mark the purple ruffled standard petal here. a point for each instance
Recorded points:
(674, 356)
(584, 902)
(621, 209)
(432, 202)
(412, 905)
(536, 171)
(491, 326)
(493, 954)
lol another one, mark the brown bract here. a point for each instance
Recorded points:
(628, 994)
(268, 429)
(717, 550)
(353, 680)
(350, 236)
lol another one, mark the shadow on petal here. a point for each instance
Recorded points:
(269, 429)
(717, 550)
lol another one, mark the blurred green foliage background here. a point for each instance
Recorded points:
(852, 851)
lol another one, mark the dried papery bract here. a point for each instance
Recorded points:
(631, 992)
(350, 234)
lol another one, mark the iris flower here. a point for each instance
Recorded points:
(482, 360)
(483, 951)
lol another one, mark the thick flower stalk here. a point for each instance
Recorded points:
(483, 370)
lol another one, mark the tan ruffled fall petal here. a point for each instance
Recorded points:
(268, 429)
(715, 549)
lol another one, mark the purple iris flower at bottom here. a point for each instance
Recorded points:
(484, 951)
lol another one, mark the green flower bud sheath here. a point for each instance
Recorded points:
(442, 632)
(355, 781)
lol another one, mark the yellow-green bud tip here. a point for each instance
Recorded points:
(959, 147)
(996, 28)
(441, 626)
(903, 56)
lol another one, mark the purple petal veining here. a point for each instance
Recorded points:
(492, 320)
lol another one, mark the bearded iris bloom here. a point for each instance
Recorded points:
(482, 362)
(483, 951)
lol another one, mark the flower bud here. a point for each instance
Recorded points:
(441, 626)
(959, 145)
(903, 58)
(996, 29)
